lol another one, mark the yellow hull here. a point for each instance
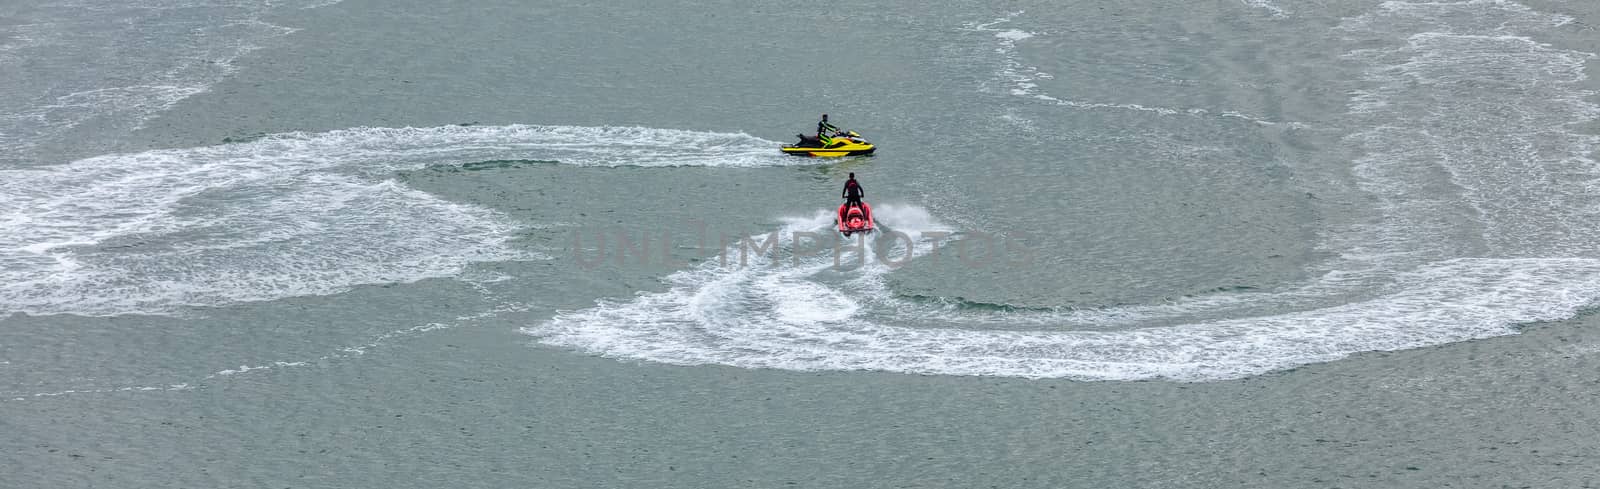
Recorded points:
(837, 149)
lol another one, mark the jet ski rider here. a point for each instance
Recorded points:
(852, 191)
(825, 131)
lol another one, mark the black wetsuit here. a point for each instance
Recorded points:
(853, 193)
(825, 130)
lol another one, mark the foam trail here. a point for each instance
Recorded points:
(1471, 101)
(1267, 5)
(340, 353)
(287, 214)
(1021, 80)
(336, 354)
(108, 390)
(357, 350)
(809, 317)
(148, 55)
(794, 318)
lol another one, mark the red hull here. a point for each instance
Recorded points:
(855, 222)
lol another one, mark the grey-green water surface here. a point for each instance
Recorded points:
(353, 244)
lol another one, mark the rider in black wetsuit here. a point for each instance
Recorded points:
(825, 130)
(852, 192)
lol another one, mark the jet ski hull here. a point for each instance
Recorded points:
(850, 144)
(828, 152)
(855, 222)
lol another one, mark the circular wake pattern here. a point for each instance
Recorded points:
(812, 316)
(285, 215)
(1482, 220)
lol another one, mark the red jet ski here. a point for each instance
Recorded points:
(855, 219)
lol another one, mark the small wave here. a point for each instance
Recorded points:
(491, 165)
(964, 304)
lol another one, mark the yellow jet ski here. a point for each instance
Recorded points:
(841, 144)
